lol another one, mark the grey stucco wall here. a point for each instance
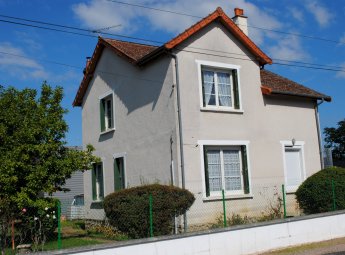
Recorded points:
(144, 122)
(264, 123)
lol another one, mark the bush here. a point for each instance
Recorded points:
(315, 193)
(128, 209)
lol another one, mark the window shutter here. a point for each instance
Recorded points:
(203, 90)
(245, 169)
(101, 114)
(93, 180)
(101, 184)
(207, 181)
(112, 112)
(235, 89)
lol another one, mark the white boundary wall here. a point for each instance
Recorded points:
(234, 241)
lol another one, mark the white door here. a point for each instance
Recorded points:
(293, 164)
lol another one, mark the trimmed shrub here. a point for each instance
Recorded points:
(128, 209)
(315, 194)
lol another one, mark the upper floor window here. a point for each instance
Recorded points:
(107, 113)
(219, 86)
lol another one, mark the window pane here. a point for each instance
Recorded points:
(109, 113)
(214, 170)
(209, 88)
(224, 89)
(232, 170)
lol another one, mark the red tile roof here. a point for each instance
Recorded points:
(274, 84)
(219, 14)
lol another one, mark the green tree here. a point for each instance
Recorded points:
(33, 155)
(335, 139)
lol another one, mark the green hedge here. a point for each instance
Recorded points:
(128, 209)
(315, 194)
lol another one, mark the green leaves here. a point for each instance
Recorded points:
(34, 158)
(335, 138)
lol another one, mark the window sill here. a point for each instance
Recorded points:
(204, 109)
(227, 197)
(107, 131)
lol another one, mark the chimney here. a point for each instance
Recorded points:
(241, 20)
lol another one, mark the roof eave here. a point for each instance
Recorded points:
(268, 91)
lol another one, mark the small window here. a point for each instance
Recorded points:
(107, 113)
(97, 182)
(119, 173)
(226, 168)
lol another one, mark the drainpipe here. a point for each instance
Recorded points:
(174, 56)
(319, 132)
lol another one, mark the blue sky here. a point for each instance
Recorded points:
(317, 18)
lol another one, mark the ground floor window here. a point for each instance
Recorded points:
(97, 182)
(119, 173)
(226, 168)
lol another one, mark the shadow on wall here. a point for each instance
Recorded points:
(288, 101)
(144, 86)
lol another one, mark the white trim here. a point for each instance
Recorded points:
(229, 195)
(298, 145)
(219, 65)
(124, 156)
(101, 97)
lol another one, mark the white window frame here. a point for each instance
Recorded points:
(221, 67)
(98, 199)
(300, 146)
(223, 144)
(124, 156)
(111, 95)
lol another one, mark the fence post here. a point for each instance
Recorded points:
(151, 215)
(284, 200)
(59, 224)
(224, 208)
(333, 195)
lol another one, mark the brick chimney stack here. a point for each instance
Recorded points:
(241, 20)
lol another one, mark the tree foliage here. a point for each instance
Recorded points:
(335, 139)
(33, 153)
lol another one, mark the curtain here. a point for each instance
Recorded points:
(224, 89)
(232, 170)
(209, 90)
(214, 170)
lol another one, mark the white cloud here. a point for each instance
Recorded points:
(101, 13)
(322, 15)
(342, 40)
(341, 74)
(14, 61)
(288, 48)
(296, 13)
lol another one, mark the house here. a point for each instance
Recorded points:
(199, 112)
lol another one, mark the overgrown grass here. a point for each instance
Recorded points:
(71, 242)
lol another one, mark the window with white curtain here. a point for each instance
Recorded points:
(220, 88)
(226, 169)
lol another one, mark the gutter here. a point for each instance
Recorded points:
(317, 117)
(174, 56)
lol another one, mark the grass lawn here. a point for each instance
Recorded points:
(308, 248)
(71, 242)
